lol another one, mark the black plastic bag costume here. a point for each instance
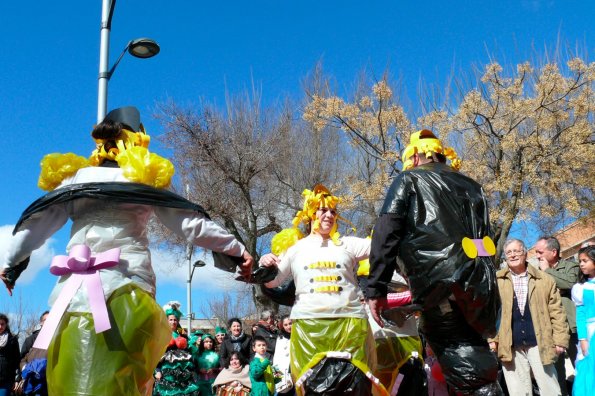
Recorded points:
(427, 212)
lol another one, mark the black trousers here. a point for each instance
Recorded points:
(467, 363)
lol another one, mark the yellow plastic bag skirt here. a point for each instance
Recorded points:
(311, 339)
(119, 361)
(393, 353)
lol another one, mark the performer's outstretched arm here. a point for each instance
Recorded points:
(31, 236)
(383, 260)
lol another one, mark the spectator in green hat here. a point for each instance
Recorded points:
(194, 343)
(220, 335)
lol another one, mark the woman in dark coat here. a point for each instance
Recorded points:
(238, 341)
(9, 357)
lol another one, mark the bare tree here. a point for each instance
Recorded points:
(229, 305)
(528, 138)
(23, 318)
(246, 165)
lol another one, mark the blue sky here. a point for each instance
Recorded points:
(49, 53)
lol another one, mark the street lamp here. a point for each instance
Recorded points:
(140, 48)
(191, 268)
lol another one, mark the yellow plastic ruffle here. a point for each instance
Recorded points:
(125, 141)
(425, 142)
(56, 167)
(141, 166)
(285, 239)
(395, 352)
(119, 361)
(311, 337)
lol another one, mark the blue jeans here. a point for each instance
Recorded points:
(5, 390)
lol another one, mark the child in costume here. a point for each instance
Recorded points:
(194, 343)
(207, 365)
(261, 372)
(175, 372)
(107, 336)
(583, 295)
(332, 347)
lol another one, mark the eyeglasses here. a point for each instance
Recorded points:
(332, 211)
(514, 252)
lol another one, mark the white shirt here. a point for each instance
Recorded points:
(104, 225)
(324, 276)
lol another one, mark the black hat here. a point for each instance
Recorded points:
(128, 116)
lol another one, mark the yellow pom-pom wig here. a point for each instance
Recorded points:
(426, 142)
(318, 197)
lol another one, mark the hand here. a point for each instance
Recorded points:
(158, 375)
(493, 346)
(269, 260)
(543, 264)
(6, 283)
(584, 347)
(377, 305)
(560, 350)
(246, 266)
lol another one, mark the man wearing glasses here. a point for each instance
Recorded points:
(533, 328)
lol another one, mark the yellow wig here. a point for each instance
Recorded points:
(318, 197)
(426, 142)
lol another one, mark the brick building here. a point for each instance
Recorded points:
(572, 236)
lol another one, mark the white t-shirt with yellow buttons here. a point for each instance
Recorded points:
(324, 276)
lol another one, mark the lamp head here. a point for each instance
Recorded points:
(143, 48)
(199, 263)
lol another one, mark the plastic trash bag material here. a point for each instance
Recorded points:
(119, 361)
(311, 339)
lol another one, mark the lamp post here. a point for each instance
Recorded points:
(140, 48)
(191, 268)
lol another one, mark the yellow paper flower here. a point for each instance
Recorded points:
(125, 141)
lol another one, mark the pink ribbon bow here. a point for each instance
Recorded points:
(84, 269)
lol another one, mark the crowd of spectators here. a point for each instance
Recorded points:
(233, 362)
